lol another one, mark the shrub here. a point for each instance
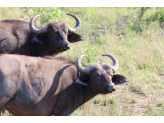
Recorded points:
(47, 14)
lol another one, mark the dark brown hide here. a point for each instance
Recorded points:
(38, 86)
(17, 38)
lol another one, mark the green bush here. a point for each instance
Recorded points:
(47, 14)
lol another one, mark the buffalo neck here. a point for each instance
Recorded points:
(72, 97)
(87, 93)
(84, 92)
(41, 49)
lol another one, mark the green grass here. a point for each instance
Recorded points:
(140, 55)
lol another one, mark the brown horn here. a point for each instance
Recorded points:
(34, 29)
(81, 68)
(115, 65)
(77, 26)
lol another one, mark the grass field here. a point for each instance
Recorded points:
(140, 55)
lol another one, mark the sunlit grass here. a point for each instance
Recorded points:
(140, 55)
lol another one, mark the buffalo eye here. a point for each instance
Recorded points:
(51, 32)
(65, 33)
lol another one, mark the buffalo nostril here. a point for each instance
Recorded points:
(61, 44)
(110, 87)
(64, 44)
(113, 86)
(67, 43)
(107, 86)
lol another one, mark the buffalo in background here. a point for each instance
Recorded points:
(20, 37)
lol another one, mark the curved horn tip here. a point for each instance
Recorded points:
(77, 26)
(82, 55)
(34, 29)
(36, 16)
(115, 61)
(81, 68)
(106, 54)
(69, 14)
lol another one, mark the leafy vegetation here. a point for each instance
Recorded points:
(47, 14)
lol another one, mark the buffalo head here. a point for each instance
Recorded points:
(100, 76)
(57, 35)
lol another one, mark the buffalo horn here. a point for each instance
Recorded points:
(34, 29)
(77, 26)
(81, 68)
(115, 65)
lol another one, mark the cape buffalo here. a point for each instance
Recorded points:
(19, 37)
(39, 86)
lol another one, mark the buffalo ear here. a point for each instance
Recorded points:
(84, 77)
(83, 80)
(74, 37)
(38, 39)
(119, 79)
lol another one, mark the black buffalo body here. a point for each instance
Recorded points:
(20, 37)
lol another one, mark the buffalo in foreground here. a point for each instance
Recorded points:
(20, 37)
(39, 86)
